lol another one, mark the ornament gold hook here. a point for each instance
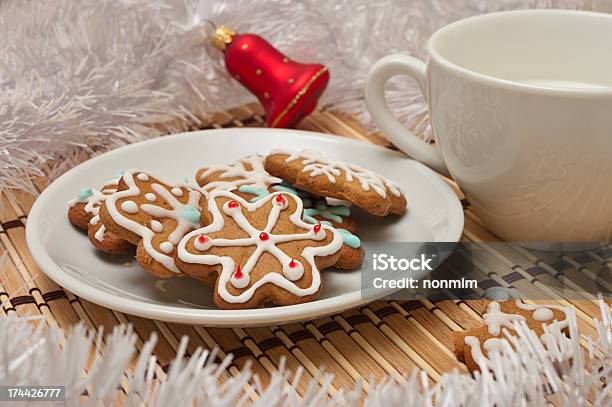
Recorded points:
(222, 37)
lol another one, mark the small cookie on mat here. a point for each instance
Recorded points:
(245, 177)
(323, 176)
(83, 213)
(153, 215)
(473, 345)
(260, 252)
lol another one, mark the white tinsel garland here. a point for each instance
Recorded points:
(77, 75)
(526, 375)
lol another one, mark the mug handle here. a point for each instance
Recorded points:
(381, 72)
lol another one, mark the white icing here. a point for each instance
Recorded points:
(129, 206)
(166, 247)
(99, 235)
(317, 165)
(491, 344)
(183, 226)
(202, 244)
(494, 319)
(95, 201)
(474, 343)
(176, 191)
(149, 196)
(143, 177)
(255, 176)
(336, 202)
(240, 283)
(494, 344)
(97, 197)
(143, 231)
(544, 313)
(156, 226)
(290, 274)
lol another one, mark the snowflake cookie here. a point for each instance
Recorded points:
(245, 177)
(153, 215)
(259, 252)
(83, 213)
(323, 176)
(474, 345)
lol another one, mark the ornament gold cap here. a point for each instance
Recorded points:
(222, 37)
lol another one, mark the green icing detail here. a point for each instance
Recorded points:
(333, 213)
(327, 215)
(312, 220)
(283, 188)
(349, 239)
(191, 214)
(84, 194)
(288, 187)
(250, 189)
(341, 210)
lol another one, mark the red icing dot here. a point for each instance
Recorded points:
(280, 199)
(264, 236)
(238, 273)
(317, 227)
(292, 263)
(202, 239)
(233, 204)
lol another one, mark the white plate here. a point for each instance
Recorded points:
(65, 255)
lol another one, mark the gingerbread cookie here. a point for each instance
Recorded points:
(83, 213)
(260, 252)
(337, 179)
(473, 346)
(153, 215)
(246, 177)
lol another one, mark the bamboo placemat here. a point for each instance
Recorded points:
(380, 339)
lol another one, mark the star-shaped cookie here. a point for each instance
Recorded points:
(259, 252)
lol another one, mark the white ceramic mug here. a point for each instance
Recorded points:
(521, 109)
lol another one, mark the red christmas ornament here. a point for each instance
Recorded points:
(288, 90)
